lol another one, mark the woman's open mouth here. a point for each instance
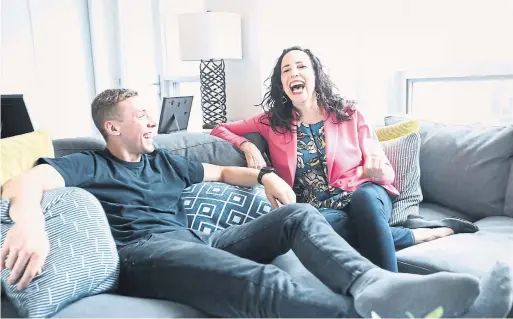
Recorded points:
(297, 87)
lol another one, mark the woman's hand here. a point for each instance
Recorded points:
(253, 155)
(373, 168)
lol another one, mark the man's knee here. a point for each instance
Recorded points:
(299, 211)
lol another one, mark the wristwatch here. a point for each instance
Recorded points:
(263, 171)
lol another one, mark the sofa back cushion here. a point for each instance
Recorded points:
(508, 207)
(66, 146)
(465, 167)
(201, 147)
(194, 146)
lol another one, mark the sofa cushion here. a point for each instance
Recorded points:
(205, 148)
(403, 154)
(67, 146)
(18, 154)
(508, 206)
(8, 310)
(465, 167)
(213, 206)
(432, 211)
(83, 259)
(196, 146)
(116, 306)
(473, 253)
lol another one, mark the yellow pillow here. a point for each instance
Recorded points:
(20, 153)
(403, 128)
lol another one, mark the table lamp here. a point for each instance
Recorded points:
(211, 38)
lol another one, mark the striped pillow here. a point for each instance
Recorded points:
(83, 259)
(403, 154)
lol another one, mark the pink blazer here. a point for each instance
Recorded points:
(348, 144)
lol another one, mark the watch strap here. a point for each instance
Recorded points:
(263, 171)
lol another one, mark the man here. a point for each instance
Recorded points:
(224, 274)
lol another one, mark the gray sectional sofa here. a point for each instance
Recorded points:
(466, 171)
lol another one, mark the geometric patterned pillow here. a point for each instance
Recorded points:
(82, 261)
(404, 155)
(212, 205)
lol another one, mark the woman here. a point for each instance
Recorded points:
(323, 147)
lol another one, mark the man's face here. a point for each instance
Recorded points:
(137, 126)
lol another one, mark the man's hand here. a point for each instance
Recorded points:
(373, 168)
(277, 190)
(26, 244)
(25, 249)
(253, 155)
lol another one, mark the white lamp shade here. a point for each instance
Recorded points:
(209, 35)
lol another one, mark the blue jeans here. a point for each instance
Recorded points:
(363, 223)
(226, 274)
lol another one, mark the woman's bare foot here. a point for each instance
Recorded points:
(423, 235)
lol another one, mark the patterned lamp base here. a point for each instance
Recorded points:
(213, 92)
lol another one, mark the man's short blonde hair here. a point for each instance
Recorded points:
(104, 104)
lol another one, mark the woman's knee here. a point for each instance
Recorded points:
(371, 200)
(367, 191)
(341, 224)
(335, 217)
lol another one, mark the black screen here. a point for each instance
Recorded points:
(15, 119)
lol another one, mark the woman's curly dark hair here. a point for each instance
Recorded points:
(280, 114)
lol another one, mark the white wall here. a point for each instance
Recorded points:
(46, 55)
(363, 44)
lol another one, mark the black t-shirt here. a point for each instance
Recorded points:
(139, 198)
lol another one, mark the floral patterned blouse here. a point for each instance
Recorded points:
(311, 180)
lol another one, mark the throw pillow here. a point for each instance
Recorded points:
(83, 258)
(211, 205)
(19, 153)
(404, 156)
(403, 128)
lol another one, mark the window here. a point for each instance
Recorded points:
(463, 101)
(193, 88)
(484, 97)
(46, 56)
(140, 48)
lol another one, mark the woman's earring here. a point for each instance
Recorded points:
(318, 96)
(283, 99)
